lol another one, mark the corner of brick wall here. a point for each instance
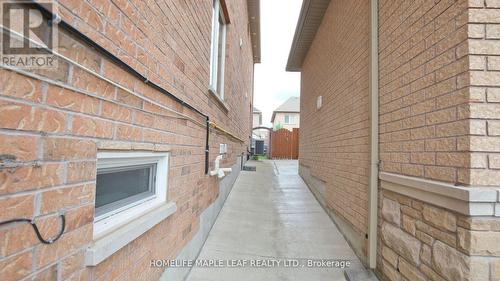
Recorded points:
(424, 95)
(439, 80)
(484, 108)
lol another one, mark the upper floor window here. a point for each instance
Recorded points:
(218, 50)
(288, 119)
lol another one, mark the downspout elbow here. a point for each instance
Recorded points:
(219, 172)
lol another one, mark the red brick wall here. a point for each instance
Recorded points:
(334, 140)
(54, 132)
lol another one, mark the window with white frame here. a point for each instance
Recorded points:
(128, 185)
(288, 119)
(218, 50)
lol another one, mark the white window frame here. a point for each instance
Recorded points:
(106, 223)
(214, 51)
(289, 119)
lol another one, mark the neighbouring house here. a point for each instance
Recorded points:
(400, 131)
(260, 134)
(257, 117)
(120, 138)
(287, 115)
(260, 137)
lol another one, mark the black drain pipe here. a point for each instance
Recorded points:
(56, 19)
(207, 146)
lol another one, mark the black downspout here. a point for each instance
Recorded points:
(207, 146)
(128, 68)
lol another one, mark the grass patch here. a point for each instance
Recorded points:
(260, 157)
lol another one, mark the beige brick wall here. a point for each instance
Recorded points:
(55, 133)
(423, 90)
(484, 109)
(334, 140)
(437, 121)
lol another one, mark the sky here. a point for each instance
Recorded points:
(273, 85)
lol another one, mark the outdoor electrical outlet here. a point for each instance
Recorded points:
(319, 102)
(223, 148)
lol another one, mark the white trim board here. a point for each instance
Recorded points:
(111, 243)
(472, 201)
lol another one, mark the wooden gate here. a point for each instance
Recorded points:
(285, 144)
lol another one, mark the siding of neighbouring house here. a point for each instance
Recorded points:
(54, 132)
(257, 119)
(257, 122)
(279, 118)
(334, 140)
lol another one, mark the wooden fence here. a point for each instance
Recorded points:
(285, 144)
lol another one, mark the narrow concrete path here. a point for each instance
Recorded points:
(270, 217)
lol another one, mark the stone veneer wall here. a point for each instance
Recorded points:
(419, 241)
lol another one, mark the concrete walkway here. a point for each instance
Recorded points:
(269, 217)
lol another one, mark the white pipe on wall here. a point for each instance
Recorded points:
(374, 139)
(218, 171)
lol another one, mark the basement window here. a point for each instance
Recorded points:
(218, 50)
(118, 187)
(128, 184)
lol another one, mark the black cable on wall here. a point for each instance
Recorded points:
(55, 19)
(37, 231)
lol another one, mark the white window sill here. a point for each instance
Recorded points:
(218, 98)
(107, 245)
